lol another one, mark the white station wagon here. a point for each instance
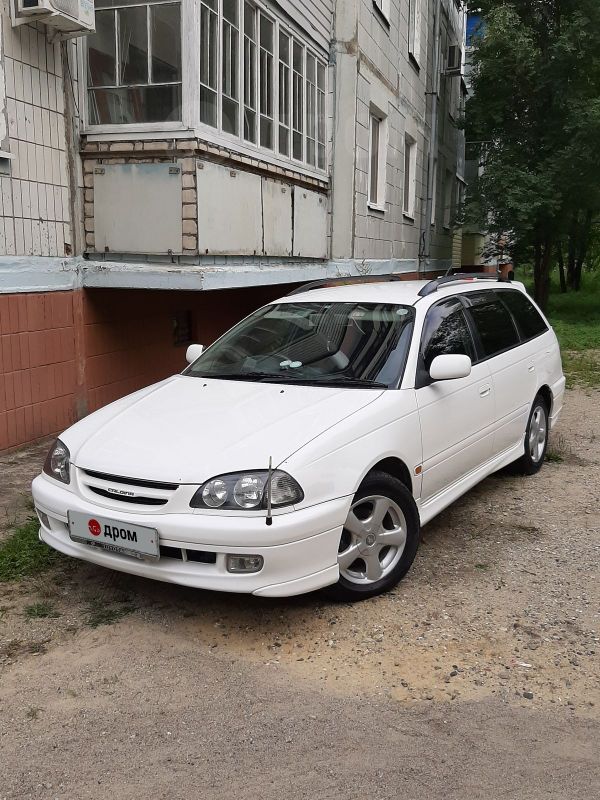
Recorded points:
(307, 446)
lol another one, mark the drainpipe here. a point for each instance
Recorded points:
(425, 254)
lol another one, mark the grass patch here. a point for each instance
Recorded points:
(22, 554)
(41, 611)
(575, 316)
(554, 458)
(107, 616)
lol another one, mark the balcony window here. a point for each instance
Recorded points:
(134, 63)
(251, 80)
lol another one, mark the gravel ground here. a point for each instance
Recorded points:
(479, 676)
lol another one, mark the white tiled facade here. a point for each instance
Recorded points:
(374, 53)
(47, 190)
(35, 216)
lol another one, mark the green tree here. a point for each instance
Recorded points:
(535, 107)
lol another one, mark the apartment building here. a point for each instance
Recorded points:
(191, 159)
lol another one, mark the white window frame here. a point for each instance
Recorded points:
(384, 8)
(415, 13)
(191, 124)
(84, 95)
(410, 180)
(379, 158)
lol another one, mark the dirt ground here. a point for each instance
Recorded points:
(479, 676)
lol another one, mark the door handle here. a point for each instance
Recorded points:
(532, 368)
(484, 390)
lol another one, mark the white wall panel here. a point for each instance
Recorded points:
(277, 212)
(310, 224)
(137, 208)
(229, 211)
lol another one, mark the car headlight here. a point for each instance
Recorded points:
(57, 463)
(248, 491)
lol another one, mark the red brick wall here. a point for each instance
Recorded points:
(37, 366)
(128, 334)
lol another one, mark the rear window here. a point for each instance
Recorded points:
(495, 325)
(526, 315)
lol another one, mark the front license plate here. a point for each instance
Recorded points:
(119, 537)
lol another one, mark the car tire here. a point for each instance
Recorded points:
(536, 438)
(379, 540)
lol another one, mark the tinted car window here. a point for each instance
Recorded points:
(526, 315)
(446, 332)
(494, 323)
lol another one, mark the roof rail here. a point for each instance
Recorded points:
(465, 277)
(350, 280)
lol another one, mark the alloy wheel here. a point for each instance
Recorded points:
(373, 540)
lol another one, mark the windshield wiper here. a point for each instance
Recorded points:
(343, 380)
(244, 376)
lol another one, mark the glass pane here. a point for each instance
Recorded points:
(250, 21)
(230, 11)
(133, 44)
(321, 77)
(374, 165)
(266, 133)
(326, 343)
(297, 146)
(266, 33)
(250, 125)
(527, 317)
(166, 43)
(496, 329)
(284, 47)
(298, 58)
(321, 156)
(284, 141)
(229, 116)
(446, 333)
(230, 61)
(125, 105)
(284, 95)
(208, 47)
(208, 106)
(407, 176)
(102, 57)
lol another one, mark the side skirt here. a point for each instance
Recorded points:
(432, 507)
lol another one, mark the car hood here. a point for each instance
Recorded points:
(187, 430)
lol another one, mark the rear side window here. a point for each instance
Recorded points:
(494, 323)
(446, 332)
(526, 315)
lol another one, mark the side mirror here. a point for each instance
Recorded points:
(194, 351)
(450, 367)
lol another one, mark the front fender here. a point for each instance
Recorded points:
(335, 463)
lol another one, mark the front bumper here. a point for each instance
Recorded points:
(299, 549)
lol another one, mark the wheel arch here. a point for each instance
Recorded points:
(394, 466)
(546, 394)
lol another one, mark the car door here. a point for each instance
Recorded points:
(457, 416)
(511, 363)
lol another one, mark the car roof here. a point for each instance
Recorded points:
(396, 292)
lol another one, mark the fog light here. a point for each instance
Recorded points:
(43, 519)
(245, 563)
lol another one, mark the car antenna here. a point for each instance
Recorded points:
(269, 519)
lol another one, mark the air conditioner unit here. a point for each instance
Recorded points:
(66, 18)
(454, 60)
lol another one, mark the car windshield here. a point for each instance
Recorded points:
(351, 344)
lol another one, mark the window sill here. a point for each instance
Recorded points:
(375, 207)
(408, 217)
(147, 130)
